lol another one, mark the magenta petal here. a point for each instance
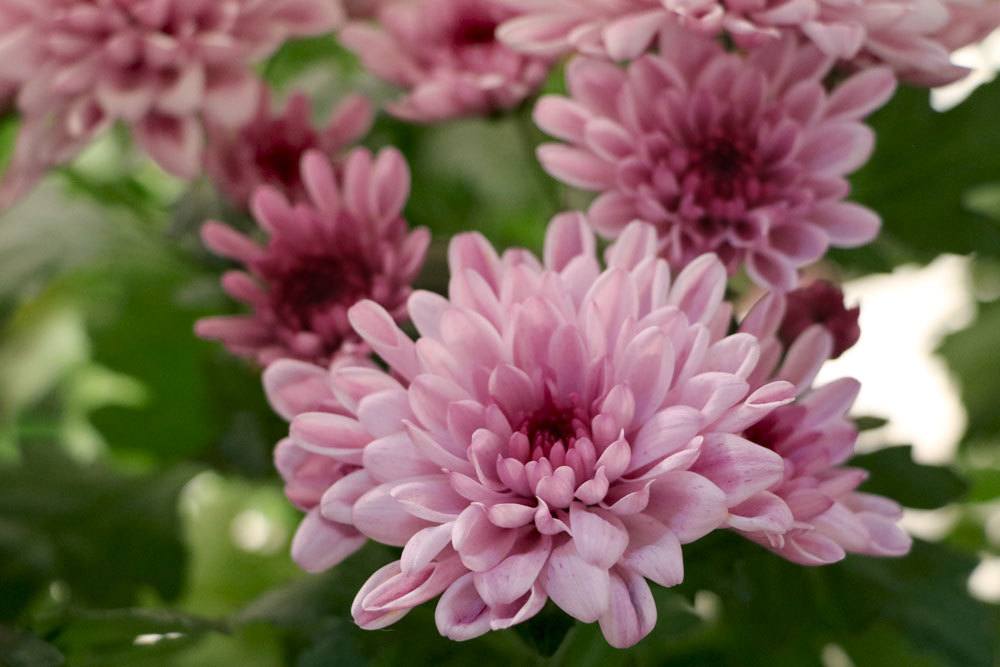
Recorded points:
(424, 546)
(395, 458)
(653, 550)
(689, 504)
(567, 237)
(383, 518)
(383, 413)
(812, 548)
(739, 467)
(665, 433)
(886, 538)
(511, 515)
(515, 575)
(294, 387)
(334, 435)
(337, 503)
(480, 544)
(508, 615)
(631, 612)
(461, 613)
(599, 536)
(763, 512)
(699, 288)
(320, 544)
(430, 498)
(376, 620)
(350, 384)
(580, 589)
(576, 167)
(403, 591)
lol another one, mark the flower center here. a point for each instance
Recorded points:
(304, 288)
(553, 426)
(278, 151)
(723, 168)
(474, 31)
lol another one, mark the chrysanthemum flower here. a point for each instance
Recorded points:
(346, 243)
(897, 33)
(745, 157)
(293, 388)
(162, 66)
(445, 55)
(557, 432)
(815, 438)
(268, 149)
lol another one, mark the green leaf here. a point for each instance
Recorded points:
(925, 163)
(972, 356)
(924, 597)
(105, 535)
(984, 484)
(869, 423)
(896, 475)
(18, 649)
(789, 613)
(546, 631)
(128, 636)
(297, 56)
(883, 645)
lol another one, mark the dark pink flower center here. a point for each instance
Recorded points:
(472, 25)
(474, 30)
(277, 151)
(722, 164)
(303, 289)
(553, 425)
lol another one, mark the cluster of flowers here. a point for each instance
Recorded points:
(560, 427)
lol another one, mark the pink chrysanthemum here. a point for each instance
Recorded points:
(268, 150)
(445, 55)
(346, 243)
(814, 437)
(556, 432)
(742, 156)
(162, 66)
(321, 541)
(897, 33)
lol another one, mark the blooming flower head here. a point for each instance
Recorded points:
(269, 148)
(162, 66)
(555, 432)
(815, 438)
(745, 157)
(345, 243)
(899, 33)
(295, 387)
(444, 54)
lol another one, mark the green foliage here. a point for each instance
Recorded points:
(895, 474)
(927, 179)
(972, 356)
(105, 536)
(868, 423)
(18, 649)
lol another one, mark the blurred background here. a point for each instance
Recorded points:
(142, 523)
